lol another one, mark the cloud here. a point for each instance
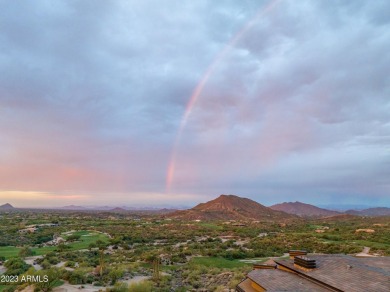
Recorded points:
(297, 83)
(92, 96)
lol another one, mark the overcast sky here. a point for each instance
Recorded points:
(174, 102)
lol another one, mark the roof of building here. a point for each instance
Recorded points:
(347, 272)
(246, 286)
(278, 280)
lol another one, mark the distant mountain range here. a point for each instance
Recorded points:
(310, 211)
(6, 207)
(343, 207)
(230, 207)
(380, 211)
(117, 209)
(303, 210)
(73, 207)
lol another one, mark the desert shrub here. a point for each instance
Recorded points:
(26, 252)
(73, 237)
(10, 289)
(114, 275)
(45, 264)
(16, 266)
(119, 287)
(144, 286)
(70, 264)
(77, 277)
(53, 280)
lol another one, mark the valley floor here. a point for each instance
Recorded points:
(109, 252)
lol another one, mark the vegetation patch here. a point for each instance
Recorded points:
(214, 262)
(9, 251)
(84, 241)
(210, 225)
(117, 250)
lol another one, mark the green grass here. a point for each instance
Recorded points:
(87, 237)
(43, 250)
(217, 262)
(12, 251)
(2, 287)
(145, 265)
(59, 283)
(211, 226)
(378, 245)
(9, 251)
(259, 260)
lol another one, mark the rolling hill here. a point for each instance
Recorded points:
(6, 207)
(303, 210)
(230, 207)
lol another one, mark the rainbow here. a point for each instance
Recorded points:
(199, 88)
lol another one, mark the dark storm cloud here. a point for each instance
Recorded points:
(92, 94)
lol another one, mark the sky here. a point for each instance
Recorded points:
(172, 103)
